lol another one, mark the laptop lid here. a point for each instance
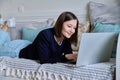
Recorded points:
(95, 48)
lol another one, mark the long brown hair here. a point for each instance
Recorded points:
(66, 16)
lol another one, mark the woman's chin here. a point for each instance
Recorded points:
(68, 36)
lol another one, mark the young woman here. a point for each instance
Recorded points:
(54, 44)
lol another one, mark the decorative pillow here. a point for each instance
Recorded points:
(104, 13)
(101, 27)
(12, 48)
(15, 32)
(4, 37)
(83, 28)
(118, 60)
(30, 33)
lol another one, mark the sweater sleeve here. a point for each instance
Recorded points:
(43, 47)
(68, 50)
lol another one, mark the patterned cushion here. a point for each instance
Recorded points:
(118, 60)
(83, 28)
(104, 13)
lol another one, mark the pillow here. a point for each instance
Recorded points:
(104, 13)
(4, 37)
(101, 27)
(30, 33)
(12, 48)
(15, 32)
(83, 28)
(118, 60)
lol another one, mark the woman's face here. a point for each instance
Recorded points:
(68, 28)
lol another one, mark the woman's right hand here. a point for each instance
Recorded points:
(71, 56)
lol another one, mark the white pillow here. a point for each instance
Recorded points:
(118, 60)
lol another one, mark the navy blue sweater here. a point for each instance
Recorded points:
(46, 49)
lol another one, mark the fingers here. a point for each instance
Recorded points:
(71, 56)
(75, 57)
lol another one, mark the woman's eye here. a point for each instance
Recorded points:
(69, 26)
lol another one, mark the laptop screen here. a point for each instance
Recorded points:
(95, 48)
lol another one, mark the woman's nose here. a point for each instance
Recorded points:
(72, 30)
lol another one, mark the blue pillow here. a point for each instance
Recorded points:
(4, 37)
(101, 27)
(30, 34)
(12, 48)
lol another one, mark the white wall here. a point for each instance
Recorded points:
(44, 8)
(36, 7)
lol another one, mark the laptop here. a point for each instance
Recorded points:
(95, 48)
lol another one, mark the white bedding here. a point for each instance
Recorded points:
(15, 69)
(2, 77)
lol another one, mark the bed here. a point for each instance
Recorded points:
(20, 69)
(25, 69)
